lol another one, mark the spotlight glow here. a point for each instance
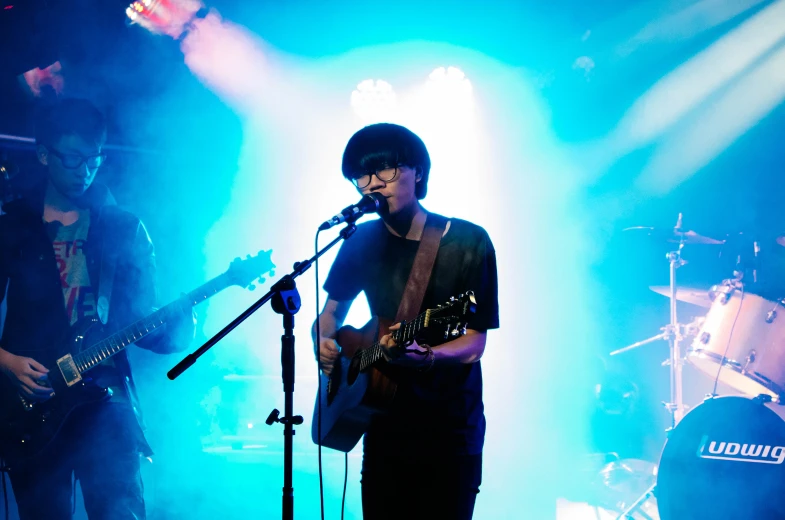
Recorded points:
(449, 85)
(373, 100)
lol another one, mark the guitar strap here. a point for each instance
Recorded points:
(414, 292)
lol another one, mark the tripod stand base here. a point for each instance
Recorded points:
(635, 511)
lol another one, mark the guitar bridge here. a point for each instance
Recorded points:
(69, 370)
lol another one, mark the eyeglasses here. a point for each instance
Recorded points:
(75, 160)
(386, 174)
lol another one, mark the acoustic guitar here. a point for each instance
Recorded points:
(356, 389)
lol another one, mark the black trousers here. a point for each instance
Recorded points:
(100, 446)
(420, 487)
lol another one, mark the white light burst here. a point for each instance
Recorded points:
(374, 100)
(449, 86)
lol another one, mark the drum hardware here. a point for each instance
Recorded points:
(762, 398)
(722, 292)
(750, 359)
(636, 506)
(676, 404)
(742, 346)
(624, 481)
(673, 331)
(772, 314)
(673, 334)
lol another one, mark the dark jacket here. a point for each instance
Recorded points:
(36, 324)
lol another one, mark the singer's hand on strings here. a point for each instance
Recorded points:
(412, 355)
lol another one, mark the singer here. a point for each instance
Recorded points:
(423, 459)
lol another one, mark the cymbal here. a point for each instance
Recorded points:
(694, 295)
(672, 235)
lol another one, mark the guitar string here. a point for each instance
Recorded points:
(372, 354)
(94, 355)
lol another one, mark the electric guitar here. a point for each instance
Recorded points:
(27, 427)
(356, 389)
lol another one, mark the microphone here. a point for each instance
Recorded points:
(371, 203)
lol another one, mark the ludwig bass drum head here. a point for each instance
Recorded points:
(725, 460)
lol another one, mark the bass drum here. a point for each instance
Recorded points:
(724, 460)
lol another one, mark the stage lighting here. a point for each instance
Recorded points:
(170, 17)
(450, 82)
(448, 96)
(373, 100)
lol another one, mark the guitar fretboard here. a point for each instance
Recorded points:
(402, 336)
(108, 347)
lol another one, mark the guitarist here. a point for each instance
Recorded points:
(56, 244)
(424, 458)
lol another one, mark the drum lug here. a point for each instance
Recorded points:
(704, 338)
(771, 316)
(750, 359)
(723, 291)
(762, 398)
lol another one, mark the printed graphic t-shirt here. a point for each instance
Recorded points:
(74, 279)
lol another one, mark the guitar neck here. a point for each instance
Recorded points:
(97, 353)
(402, 336)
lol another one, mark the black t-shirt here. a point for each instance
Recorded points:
(442, 406)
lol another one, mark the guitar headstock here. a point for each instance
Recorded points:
(452, 316)
(244, 272)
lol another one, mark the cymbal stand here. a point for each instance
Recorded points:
(635, 506)
(676, 404)
(673, 333)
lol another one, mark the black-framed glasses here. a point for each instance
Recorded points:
(75, 160)
(386, 174)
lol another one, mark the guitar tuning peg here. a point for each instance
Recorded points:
(251, 287)
(261, 279)
(248, 257)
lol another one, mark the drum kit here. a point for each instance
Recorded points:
(725, 457)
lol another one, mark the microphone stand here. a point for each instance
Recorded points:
(286, 301)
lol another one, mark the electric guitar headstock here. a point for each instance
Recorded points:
(244, 272)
